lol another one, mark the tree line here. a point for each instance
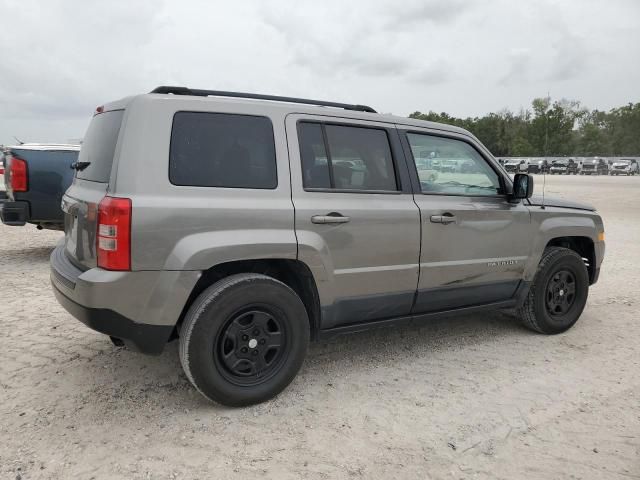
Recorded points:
(558, 128)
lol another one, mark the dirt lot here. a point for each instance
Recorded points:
(472, 397)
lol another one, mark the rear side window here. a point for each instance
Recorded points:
(342, 157)
(222, 150)
(99, 146)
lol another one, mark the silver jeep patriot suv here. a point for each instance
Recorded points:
(247, 225)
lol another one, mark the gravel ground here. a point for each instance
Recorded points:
(472, 397)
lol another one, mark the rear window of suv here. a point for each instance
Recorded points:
(222, 150)
(99, 146)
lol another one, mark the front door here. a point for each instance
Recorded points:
(475, 243)
(357, 226)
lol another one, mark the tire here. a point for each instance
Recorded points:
(244, 339)
(536, 312)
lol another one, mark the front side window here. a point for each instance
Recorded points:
(222, 150)
(451, 167)
(346, 158)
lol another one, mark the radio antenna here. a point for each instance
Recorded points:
(544, 185)
(546, 148)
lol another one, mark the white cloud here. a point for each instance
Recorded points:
(60, 59)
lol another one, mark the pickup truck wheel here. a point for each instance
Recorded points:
(244, 339)
(558, 293)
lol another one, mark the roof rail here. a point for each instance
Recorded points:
(258, 96)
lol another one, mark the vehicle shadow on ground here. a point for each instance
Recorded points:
(402, 344)
(157, 378)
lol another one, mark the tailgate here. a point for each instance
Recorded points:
(80, 202)
(49, 175)
(80, 205)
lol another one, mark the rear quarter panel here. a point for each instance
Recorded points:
(195, 228)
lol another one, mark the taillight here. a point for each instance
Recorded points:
(114, 233)
(18, 175)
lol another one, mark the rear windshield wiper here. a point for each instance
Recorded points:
(79, 166)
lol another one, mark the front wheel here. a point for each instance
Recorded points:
(558, 293)
(244, 339)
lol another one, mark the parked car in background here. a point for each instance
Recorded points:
(624, 166)
(449, 165)
(247, 227)
(538, 165)
(470, 167)
(594, 166)
(572, 167)
(426, 171)
(564, 167)
(36, 176)
(515, 165)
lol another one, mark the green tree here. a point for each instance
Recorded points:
(553, 128)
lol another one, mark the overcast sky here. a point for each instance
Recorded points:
(60, 59)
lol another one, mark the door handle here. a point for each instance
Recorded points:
(333, 217)
(445, 219)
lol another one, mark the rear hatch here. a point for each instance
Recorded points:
(89, 187)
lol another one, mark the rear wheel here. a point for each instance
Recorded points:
(244, 339)
(558, 293)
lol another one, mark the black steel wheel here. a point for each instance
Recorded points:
(244, 339)
(251, 346)
(558, 293)
(561, 292)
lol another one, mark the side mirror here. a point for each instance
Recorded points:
(522, 186)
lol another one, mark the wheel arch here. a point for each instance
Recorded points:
(293, 273)
(583, 246)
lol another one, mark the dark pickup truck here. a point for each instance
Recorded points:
(594, 166)
(36, 176)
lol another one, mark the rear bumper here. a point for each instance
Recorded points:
(15, 214)
(141, 308)
(149, 339)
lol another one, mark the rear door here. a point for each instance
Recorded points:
(357, 225)
(80, 202)
(475, 243)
